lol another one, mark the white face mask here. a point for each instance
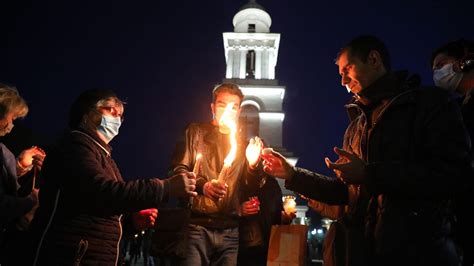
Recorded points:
(109, 126)
(7, 129)
(447, 78)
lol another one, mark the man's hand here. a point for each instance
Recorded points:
(182, 185)
(351, 169)
(250, 207)
(314, 204)
(214, 190)
(253, 151)
(277, 165)
(28, 158)
(144, 219)
(340, 160)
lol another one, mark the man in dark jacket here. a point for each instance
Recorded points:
(213, 230)
(405, 151)
(83, 195)
(453, 70)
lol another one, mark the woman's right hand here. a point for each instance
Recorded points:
(28, 158)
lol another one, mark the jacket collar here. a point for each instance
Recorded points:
(387, 87)
(93, 136)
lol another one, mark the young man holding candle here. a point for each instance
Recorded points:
(213, 229)
(405, 154)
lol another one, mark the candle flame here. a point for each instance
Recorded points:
(229, 122)
(197, 163)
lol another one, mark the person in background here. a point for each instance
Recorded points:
(262, 208)
(453, 70)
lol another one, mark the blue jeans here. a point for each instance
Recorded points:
(212, 246)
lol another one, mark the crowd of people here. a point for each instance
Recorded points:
(399, 195)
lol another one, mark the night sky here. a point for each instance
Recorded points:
(164, 57)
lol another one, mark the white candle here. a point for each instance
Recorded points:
(223, 173)
(197, 164)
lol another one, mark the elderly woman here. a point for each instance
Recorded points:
(83, 195)
(13, 207)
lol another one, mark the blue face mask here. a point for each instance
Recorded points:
(109, 126)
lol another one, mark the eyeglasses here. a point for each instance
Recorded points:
(113, 111)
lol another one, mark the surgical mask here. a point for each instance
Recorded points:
(447, 78)
(109, 126)
(7, 129)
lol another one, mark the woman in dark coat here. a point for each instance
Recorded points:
(83, 195)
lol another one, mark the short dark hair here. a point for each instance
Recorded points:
(361, 46)
(457, 49)
(86, 102)
(229, 88)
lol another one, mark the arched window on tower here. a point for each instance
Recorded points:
(251, 28)
(250, 65)
(249, 121)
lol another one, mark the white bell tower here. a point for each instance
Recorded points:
(251, 54)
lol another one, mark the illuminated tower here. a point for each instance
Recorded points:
(251, 54)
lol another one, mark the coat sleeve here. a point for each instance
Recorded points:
(332, 212)
(184, 157)
(441, 162)
(87, 177)
(11, 206)
(319, 187)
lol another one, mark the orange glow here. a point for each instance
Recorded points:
(197, 163)
(229, 121)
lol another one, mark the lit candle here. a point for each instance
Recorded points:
(289, 204)
(230, 123)
(197, 164)
(223, 174)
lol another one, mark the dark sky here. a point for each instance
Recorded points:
(164, 57)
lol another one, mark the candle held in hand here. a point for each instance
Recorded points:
(197, 164)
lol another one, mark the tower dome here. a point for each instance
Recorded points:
(252, 17)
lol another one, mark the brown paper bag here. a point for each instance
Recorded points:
(287, 245)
